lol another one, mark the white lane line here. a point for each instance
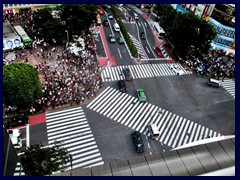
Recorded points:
(119, 53)
(148, 50)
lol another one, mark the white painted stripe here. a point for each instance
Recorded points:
(89, 163)
(108, 102)
(126, 112)
(193, 132)
(67, 126)
(94, 100)
(142, 113)
(197, 133)
(183, 133)
(175, 141)
(73, 137)
(123, 107)
(144, 120)
(63, 111)
(169, 132)
(67, 130)
(116, 107)
(148, 121)
(132, 113)
(75, 121)
(69, 133)
(114, 104)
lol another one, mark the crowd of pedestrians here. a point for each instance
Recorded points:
(70, 80)
(216, 65)
(66, 77)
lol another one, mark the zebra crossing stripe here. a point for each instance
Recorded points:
(175, 135)
(122, 108)
(168, 128)
(139, 71)
(127, 110)
(229, 85)
(98, 99)
(76, 136)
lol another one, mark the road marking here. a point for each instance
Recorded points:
(147, 50)
(145, 24)
(119, 53)
(150, 153)
(148, 145)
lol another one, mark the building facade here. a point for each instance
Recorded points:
(221, 16)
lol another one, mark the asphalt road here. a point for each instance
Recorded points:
(187, 96)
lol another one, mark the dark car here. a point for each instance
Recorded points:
(122, 86)
(127, 74)
(138, 142)
(19, 120)
(105, 22)
(143, 35)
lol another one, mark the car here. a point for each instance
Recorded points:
(105, 22)
(112, 38)
(176, 69)
(153, 130)
(143, 35)
(18, 120)
(158, 51)
(110, 16)
(141, 95)
(122, 86)
(120, 40)
(127, 74)
(138, 142)
(100, 12)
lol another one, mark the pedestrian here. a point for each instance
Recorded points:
(37, 53)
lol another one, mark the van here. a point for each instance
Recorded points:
(214, 83)
(159, 30)
(116, 27)
(135, 16)
(154, 133)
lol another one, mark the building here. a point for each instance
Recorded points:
(16, 8)
(221, 16)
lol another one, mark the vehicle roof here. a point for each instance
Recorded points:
(154, 128)
(139, 89)
(213, 80)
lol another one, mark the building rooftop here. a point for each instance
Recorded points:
(8, 31)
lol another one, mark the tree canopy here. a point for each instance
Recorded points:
(186, 31)
(74, 18)
(78, 17)
(39, 161)
(22, 86)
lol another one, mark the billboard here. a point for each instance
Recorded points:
(12, 43)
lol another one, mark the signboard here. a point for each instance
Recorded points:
(199, 10)
(12, 43)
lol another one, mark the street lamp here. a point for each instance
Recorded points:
(67, 35)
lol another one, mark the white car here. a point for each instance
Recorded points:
(176, 69)
(153, 129)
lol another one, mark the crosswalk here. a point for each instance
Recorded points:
(229, 85)
(69, 128)
(140, 71)
(127, 110)
(19, 170)
(138, 46)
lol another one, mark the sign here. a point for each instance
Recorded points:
(12, 43)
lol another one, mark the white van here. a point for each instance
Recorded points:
(135, 16)
(214, 83)
(116, 27)
(159, 30)
(153, 129)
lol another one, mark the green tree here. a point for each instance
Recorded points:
(39, 161)
(48, 26)
(22, 86)
(78, 17)
(185, 31)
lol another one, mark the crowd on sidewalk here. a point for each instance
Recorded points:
(66, 78)
(216, 65)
